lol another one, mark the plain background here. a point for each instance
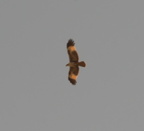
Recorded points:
(35, 94)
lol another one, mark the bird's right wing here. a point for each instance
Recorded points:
(73, 74)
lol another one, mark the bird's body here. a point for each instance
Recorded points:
(74, 62)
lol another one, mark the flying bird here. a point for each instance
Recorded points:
(73, 62)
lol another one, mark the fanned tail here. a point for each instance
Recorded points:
(82, 63)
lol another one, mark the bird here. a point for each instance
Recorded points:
(73, 62)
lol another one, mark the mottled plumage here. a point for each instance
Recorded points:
(73, 62)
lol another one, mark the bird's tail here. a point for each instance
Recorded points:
(82, 63)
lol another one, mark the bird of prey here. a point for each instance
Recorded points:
(73, 62)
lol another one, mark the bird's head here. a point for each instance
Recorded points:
(67, 64)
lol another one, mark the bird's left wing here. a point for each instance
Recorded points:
(72, 52)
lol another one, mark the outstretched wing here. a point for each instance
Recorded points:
(73, 55)
(73, 74)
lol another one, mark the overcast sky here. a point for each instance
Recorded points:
(35, 94)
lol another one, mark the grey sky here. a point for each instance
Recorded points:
(35, 94)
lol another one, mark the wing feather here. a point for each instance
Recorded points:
(73, 74)
(72, 52)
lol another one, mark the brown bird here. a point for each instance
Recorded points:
(74, 62)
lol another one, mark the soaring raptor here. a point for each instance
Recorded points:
(73, 62)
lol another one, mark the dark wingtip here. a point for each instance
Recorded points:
(72, 81)
(70, 43)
